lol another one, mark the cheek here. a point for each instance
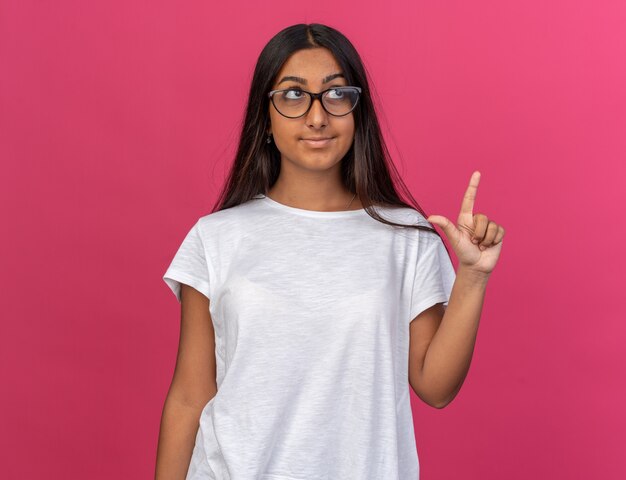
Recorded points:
(348, 134)
(286, 141)
(347, 127)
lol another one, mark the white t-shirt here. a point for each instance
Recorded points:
(311, 313)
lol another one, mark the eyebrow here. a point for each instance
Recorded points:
(304, 82)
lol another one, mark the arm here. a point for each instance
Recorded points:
(193, 385)
(442, 340)
(442, 344)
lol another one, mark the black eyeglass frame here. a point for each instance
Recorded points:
(313, 96)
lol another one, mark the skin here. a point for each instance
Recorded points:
(194, 383)
(443, 339)
(310, 177)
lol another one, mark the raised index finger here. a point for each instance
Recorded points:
(470, 194)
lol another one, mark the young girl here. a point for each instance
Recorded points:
(313, 297)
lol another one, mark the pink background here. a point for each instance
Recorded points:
(116, 133)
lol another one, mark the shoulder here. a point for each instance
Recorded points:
(230, 223)
(243, 212)
(426, 232)
(404, 215)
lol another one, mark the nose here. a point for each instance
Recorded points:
(317, 117)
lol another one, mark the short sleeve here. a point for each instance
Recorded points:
(434, 274)
(189, 265)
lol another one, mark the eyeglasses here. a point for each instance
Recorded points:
(295, 102)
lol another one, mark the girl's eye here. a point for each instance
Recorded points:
(336, 93)
(293, 93)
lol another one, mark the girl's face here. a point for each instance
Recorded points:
(315, 70)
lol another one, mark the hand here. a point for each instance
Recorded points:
(477, 241)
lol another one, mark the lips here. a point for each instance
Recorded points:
(317, 141)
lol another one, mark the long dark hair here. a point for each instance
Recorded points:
(366, 169)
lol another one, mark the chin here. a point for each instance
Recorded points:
(319, 162)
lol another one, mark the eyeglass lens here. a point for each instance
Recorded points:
(295, 102)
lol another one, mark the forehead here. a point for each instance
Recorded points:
(311, 64)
